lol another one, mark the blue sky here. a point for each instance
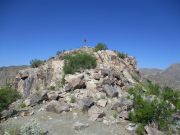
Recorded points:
(146, 29)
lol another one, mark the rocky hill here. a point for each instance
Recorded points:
(9, 73)
(91, 100)
(168, 77)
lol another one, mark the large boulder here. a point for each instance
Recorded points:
(110, 91)
(75, 82)
(57, 107)
(86, 103)
(36, 98)
(95, 112)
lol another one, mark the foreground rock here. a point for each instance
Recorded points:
(57, 107)
(94, 113)
(36, 98)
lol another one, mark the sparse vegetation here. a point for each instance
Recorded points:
(100, 46)
(7, 96)
(114, 114)
(31, 128)
(72, 99)
(12, 130)
(140, 130)
(78, 61)
(153, 104)
(36, 63)
(52, 88)
(23, 105)
(121, 54)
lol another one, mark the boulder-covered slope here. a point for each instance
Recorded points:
(100, 93)
(110, 69)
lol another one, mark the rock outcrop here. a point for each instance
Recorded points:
(95, 91)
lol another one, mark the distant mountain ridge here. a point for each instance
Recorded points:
(9, 73)
(168, 77)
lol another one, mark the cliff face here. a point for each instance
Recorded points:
(49, 75)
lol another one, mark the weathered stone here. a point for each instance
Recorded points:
(96, 76)
(80, 126)
(53, 95)
(26, 113)
(123, 103)
(153, 131)
(57, 107)
(111, 91)
(102, 102)
(124, 115)
(76, 82)
(36, 98)
(94, 113)
(86, 103)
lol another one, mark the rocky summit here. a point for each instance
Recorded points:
(90, 101)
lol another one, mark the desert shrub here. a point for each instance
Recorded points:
(144, 111)
(172, 96)
(114, 114)
(100, 46)
(23, 105)
(12, 130)
(140, 129)
(52, 88)
(158, 110)
(78, 61)
(7, 96)
(121, 54)
(36, 63)
(32, 128)
(72, 99)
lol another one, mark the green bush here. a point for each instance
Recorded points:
(100, 46)
(172, 96)
(36, 63)
(121, 54)
(140, 129)
(78, 61)
(7, 96)
(158, 109)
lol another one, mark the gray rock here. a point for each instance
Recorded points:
(86, 103)
(111, 91)
(75, 83)
(57, 107)
(96, 76)
(94, 113)
(36, 98)
(123, 103)
(102, 102)
(153, 131)
(124, 115)
(53, 95)
(80, 126)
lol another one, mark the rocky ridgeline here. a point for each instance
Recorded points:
(96, 91)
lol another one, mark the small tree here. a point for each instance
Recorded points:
(100, 46)
(36, 63)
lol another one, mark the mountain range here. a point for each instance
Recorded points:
(168, 77)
